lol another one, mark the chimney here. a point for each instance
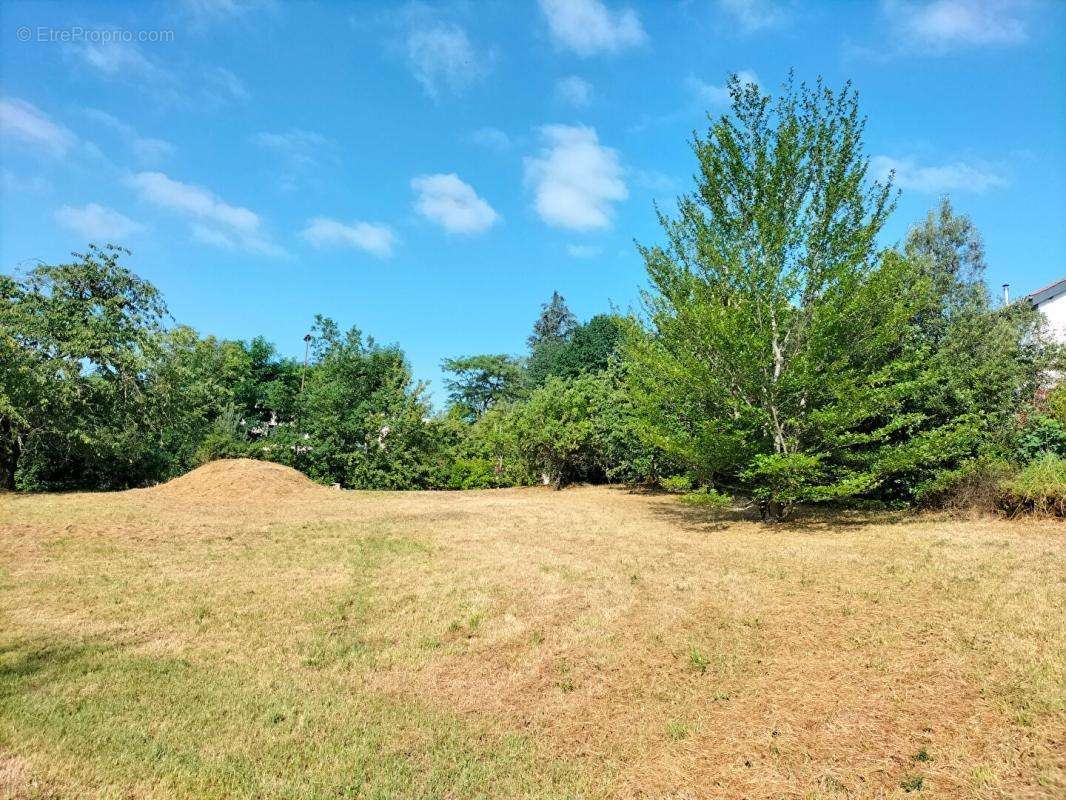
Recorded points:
(1006, 294)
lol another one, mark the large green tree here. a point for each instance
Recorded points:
(481, 381)
(771, 312)
(362, 421)
(556, 323)
(76, 337)
(590, 347)
(968, 375)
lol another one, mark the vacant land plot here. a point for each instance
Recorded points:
(241, 633)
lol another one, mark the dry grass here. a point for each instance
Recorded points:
(279, 639)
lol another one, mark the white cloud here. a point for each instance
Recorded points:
(575, 179)
(214, 221)
(300, 152)
(145, 149)
(24, 122)
(712, 96)
(124, 61)
(958, 176)
(375, 238)
(442, 58)
(297, 146)
(753, 15)
(583, 250)
(588, 27)
(114, 58)
(222, 87)
(575, 91)
(203, 11)
(157, 188)
(151, 151)
(97, 223)
(452, 204)
(943, 25)
(492, 138)
(12, 184)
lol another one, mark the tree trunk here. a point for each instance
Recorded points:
(7, 475)
(774, 511)
(9, 456)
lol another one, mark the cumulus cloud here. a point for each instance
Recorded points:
(715, 96)
(157, 188)
(943, 25)
(214, 221)
(97, 223)
(575, 179)
(452, 204)
(442, 58)
(753, 15)
(574, 90)
(377, 239)
(24, 122)
(954, 177)
(588, 27)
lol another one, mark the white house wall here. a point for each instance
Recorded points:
(1055, 311)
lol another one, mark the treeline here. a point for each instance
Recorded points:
(781, 354)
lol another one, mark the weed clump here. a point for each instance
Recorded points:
(1039, 489)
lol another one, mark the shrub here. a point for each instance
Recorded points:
(1041, 434)
(678, 484)
(218, 444)
(474, 473)
(707, 497)
(780, 481)
(1040, 488)
(1056, 403)
(973, 486)
(227, 438)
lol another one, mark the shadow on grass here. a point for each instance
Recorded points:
(805, 519)
(23, 659)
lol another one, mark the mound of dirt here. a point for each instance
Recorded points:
(238, 479)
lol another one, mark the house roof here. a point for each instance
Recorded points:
(1045, 294)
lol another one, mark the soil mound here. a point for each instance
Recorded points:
(238, 479)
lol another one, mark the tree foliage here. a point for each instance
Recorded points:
(783, 354)
(590, 347)
(770, 308)
(482, 381)
(75, 411)
(361, 420)
(556, 323)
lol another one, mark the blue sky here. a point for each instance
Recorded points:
(431, 172)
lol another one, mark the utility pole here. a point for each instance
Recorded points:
(307, 350)
(300, 400)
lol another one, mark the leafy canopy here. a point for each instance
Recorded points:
(770, 308)
(483, 380)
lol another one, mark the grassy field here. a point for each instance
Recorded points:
(289, 641)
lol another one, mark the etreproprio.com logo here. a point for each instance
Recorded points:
(90, 35)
